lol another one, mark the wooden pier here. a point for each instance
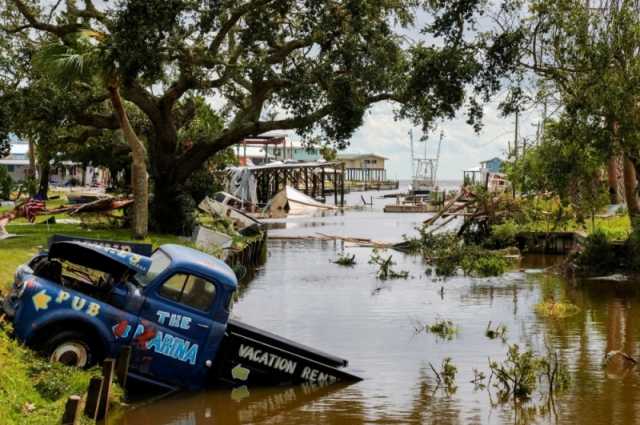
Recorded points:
(315, 179)
(411, 208)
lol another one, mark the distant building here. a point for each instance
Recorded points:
(297, 152)
(493, 165)
(363, 167)
(62, 173)
(489, 175)
(17, 163)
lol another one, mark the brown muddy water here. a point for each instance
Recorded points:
(301, 295)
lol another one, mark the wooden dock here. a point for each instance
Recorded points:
(410, 208)
(548, 242)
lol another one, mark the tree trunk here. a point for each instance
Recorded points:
(612, 178)
(45, 170)
(32, 158)
(173, 207)
(631, 194)
(139, 180)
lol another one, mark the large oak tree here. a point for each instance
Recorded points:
(314, 66)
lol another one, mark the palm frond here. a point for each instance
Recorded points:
(67, 64)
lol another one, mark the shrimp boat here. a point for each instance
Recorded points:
(425, 170)
(422, 195)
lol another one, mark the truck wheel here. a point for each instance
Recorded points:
(70, 348)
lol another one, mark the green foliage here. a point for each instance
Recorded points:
(6, 183)
(345, 259)
(385, 267)
(328, 153)
(33, 391)
(518, 375)
(483, 264)
(556, 310)
(445, 329)
(448, 253)
(503, 235)
(317, 74)
(447, 375)
(597, 255)
(28, 186)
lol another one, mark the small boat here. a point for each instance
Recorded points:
(290, 201)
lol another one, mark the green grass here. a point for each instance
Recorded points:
(616, 228)
(34, 391)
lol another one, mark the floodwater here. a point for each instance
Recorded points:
(301, 295)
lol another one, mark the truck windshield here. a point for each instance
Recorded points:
(159, 263)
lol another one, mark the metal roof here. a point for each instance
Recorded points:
(349, 156)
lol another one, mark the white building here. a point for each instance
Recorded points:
(62, 173)
(17, 163)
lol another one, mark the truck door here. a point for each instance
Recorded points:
(172, 343)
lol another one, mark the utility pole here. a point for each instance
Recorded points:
(515, 140)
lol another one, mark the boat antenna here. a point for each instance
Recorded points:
(435, 173)
(413, 171)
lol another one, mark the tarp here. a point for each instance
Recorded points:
(242, 184)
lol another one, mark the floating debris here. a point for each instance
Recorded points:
(556, 310)
(385, 265)
(345, 260)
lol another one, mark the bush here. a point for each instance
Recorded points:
(201, 184)
(6, 183)
(597, 256)
(503, 235)
(489, 265)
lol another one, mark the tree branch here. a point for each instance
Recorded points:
(232, 21)
(60, 31)
(97, 120)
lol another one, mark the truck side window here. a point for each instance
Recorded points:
(172, 287)
(189, 290)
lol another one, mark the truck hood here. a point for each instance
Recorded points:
(102, 258)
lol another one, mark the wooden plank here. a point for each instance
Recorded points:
(108, 369)
(71, 414)
(94, 394)
(122, 365)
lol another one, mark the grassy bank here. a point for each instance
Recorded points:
(34, 391)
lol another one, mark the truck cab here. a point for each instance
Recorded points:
(82, 302)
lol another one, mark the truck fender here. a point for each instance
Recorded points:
(40, 328)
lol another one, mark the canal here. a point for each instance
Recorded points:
(300, 294)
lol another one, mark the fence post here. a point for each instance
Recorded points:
(122, 365)
(93, 398)
(108, 368)
(71, 414)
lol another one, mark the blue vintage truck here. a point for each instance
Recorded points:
(83, 301)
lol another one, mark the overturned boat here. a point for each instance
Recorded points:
(290, 201)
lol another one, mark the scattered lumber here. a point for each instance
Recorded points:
(363, 242)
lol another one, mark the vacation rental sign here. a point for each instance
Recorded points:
(283, 364)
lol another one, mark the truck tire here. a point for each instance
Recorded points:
(71, 348)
